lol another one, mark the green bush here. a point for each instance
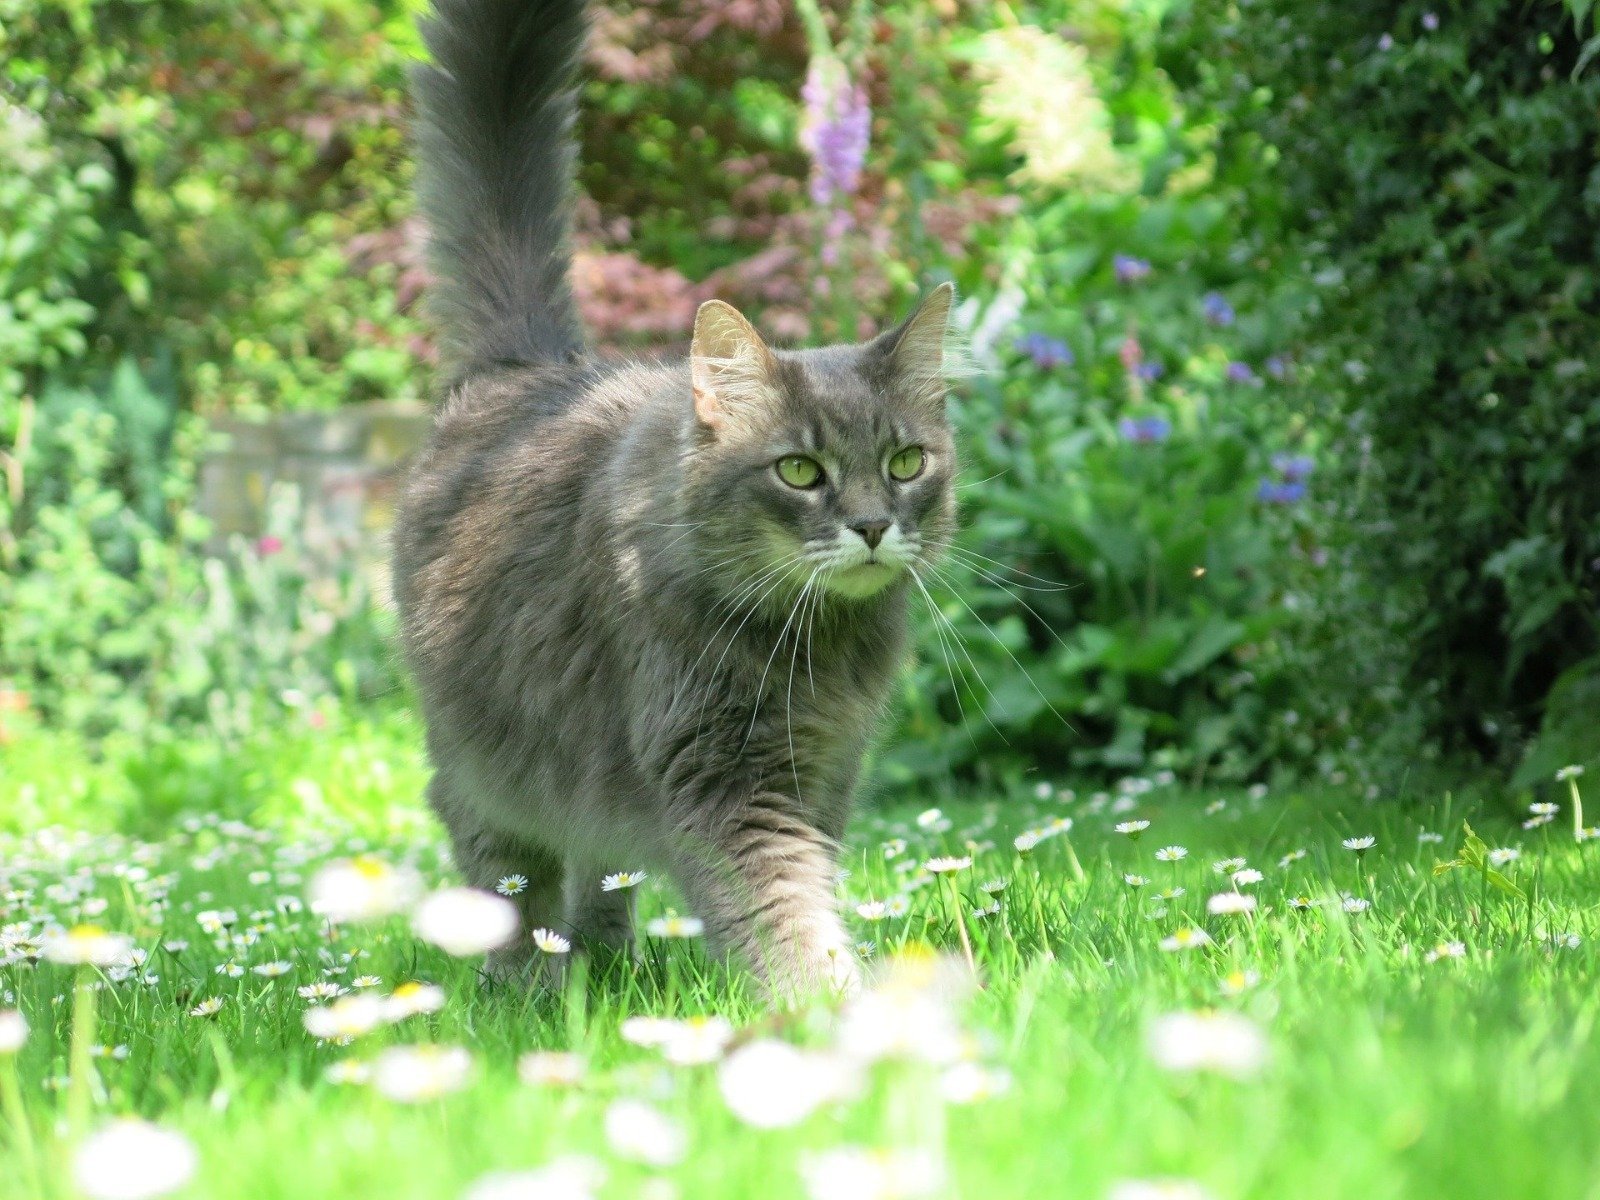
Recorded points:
(1437, 172)
(119, 622)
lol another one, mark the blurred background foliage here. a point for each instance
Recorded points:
(1285, 458)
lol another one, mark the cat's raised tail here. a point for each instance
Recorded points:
(494, 178)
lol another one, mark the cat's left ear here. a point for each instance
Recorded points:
(916, 348)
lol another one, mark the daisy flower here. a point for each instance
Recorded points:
(697, 1040)
(551, 1068)
(512, 885)
(1131, 828)
(13, 1031)
(320, 991)
(88, 945)
(209, 1007)
(622, 880)
(1227, 866)
(132, 1160)
(1290, 858)
(363, 889)
(1026, 841)
(1502, 855)
(1224, 1042)
(348, 1071)
(365, 981)
(1246, 876)
(1230, 903)
(1446, 950)
(1428, 836)
(645, 1134)
(769, 1084)
(412, 999)
(1359, 844)
(1189, 938)
(551, 942)
(411, 1074)
(1355, 904)
(1171, 853)
(676, 927)
(465, 921)
(272, 970)
(1544, 809)
(347, 1017)
(1571, 771)
(1135, 881)
(946, 864)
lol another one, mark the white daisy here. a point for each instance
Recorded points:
(622, 880)
(551, 942)
(512, 885)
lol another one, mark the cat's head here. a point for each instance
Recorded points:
(833, 465)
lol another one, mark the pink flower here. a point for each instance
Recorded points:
(268, 545)
(1132, 354)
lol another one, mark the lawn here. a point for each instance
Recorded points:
(1368, 1028)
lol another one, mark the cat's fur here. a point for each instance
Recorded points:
(617, 668)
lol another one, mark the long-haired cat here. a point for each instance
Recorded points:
(653, 610)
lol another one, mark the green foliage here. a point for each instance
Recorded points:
(118, 620)
(1438, 171)
(1122, 595)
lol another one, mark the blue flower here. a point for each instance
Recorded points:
(1295, 468)
(1128, 268)
(1150, 371)
(1046, 352)
(1272, 492)
(1218, 311)
(1277, 366)
(1239, 372)
(1144, 430)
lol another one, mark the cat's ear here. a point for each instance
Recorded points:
(918, 348)
(731, 367)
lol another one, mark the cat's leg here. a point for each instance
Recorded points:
(601, 922)
(533, 878)
(761, 875)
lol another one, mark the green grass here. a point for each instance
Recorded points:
(1388, 1075)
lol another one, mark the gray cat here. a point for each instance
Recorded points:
(653, 610)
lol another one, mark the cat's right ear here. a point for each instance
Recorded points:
(731, 367)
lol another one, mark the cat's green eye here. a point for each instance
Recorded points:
(907, 465)
(798, 471)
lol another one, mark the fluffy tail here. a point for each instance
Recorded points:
(494, 178)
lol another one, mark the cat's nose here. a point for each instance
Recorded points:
(871, 531)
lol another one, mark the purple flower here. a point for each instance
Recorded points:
(1150, 371)
(1128, 268)
(1295, 468)
(1272, 492)
(1144, 430)
(1386, 43)
(1430, 21)
(1277, 366)
(1218, 311)
(838, 130)
(1239, 372)
(1046, 352)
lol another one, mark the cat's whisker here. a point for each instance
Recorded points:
(1026, 674)
(794, 764)
(761, 687)
(944, 653)
(955, 639)
(1050, 584)
(996, 581)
